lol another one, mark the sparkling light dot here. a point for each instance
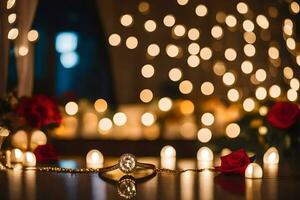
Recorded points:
(262, 21)
(217, 32)
(201, 10)
(126, 20)
(13, 33)
(193, 61)
(12, 18)
(248, 25)
(147, 119)
(233, 130)
(32, 35)
(249, 50)
(175, 74)
(71, 108)
(230, 21)
(294, 7)
(273, 52)
(230, 54)
(186, 87)
(249, 37)
(165, 104)
(207, 88)
(182, 2)
(274, 91)
(262, 130)
(172, 50)
(247, 67)
(23, 51)
(120, 119)
(100, 105)
(291, 43)
(169, 20)
(205, 53)
(105, 124)
(147, 71)
(168, 152)
(228, 78)
(207, 119)
(204, 135)
(114, 39)
(248, 104)
(131, 42)
(179, 30)
(288, 73)
(263, 110)
(150, 25)
(193, 34)
(10, 4)
(194, 48)
(242, 8)
(233, 95)
(261, 75)
(294, 84)
(292, 95)
(187, 107)
(146, 95)
(153, 50)
(261, 93)
(219, 68)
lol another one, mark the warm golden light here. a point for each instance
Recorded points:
(294, 84)
(168, 152)
(248, 25)
(294, 7)
(253, 171)
(105, 124)
(187, 107)
(291, 43)
(10, 4)
(193, 48)
(242, 8)
(249, 50)
(249, 104)
(288, 73)
(29, 159)
(71, 108)
(12, 18)
(17, 156)
(186, 87)
(204, 135)
(263, 110)
(271, 156)
(114, 39)
(120, 119)
(175, 74)
(207, 119)
(233, 95)
(273, 53)
(94, 159)
(179, 30)
(292, 95)
(131, 42)
(126, 20)
(100, 105)
(233, 130)
(32, 35)
(169, 20)
(147, 71)
(182, 2)
(13, 34)
(261, 93)
(146, 95)
(150, 25)
(219, 68)
(172, 50)
(230, 54)
(144, 7)
(228, 78)
(207, 88)
(261, 75)
(205, 154)
(262, 21)
(23, 50)
(201, 10)
(230, 21)
(165, 104)
(153, 50)
(217, 32)
(38, 137)
(193, 34)
(247, 67)
(249, 37)
(193, 61)
(205, 53)
(147, 119)
(262, 130)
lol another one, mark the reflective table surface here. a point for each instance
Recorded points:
(279, 182)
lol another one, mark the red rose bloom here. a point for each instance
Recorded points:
(234, 163)
(45, 154)
(283, 114)
(38, 111)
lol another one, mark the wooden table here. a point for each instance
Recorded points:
(281, 182)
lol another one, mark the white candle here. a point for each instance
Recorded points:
(94, 159)
(271, 156)
(168, 152)
(253, 170)
(16, 156)
(204, 154)
(29, 159)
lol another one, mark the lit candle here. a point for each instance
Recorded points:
(16, 156)
(29, 159)
(253, 170)
(205, 154)
(271, 156)
(168, 157)
(94, 159)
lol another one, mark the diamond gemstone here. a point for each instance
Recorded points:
(127, 163)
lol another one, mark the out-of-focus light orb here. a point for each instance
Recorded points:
(201, 10)
(232, 130)
(175, 74)
(273, 11)
(249, 50)
(291, 43)
(114, 39)
(294, 7)
(193, 48)
(144, 7)
(273, 53)
(169, 20)
(261, 75)
(10, 4)
(217, 32)
(253, 171)
(248, 25)
(205, 154)
(207, 119)
(69, 60)
(172, 50)
(186, 87)
(146, 95)
(186, 107)
(150, 25)
(294, 84)
(204, 135)
(66, 42)
(193, 61)
(262, 130)
(288, 27)
(263, 110)
(147, 119)
(165, 104)
(179, 30)
(249, 37)
(193, 34)
(12, 18)
(71, 108)
(126, 20)
(207, 88)
(225, 152)
(147, 71)
(298, 60)
(230, 21)
(233, 95)
(288, 72)
(120, 119)
(247, 67)
(205, 53)
(271, 156)
(94, 159)
(220, 17)
(168, 152)
(292, 95)
(23, 51)
(261, 93)
(38, 137)
(262, 21)
(105, 124)
(100, 105)
(249, 104)
(274, 91)
(182, 2)
(131, 42)
(230, 54)
(242, 8)
(228, 78)
(219, 68)
(13, 33)
(153, 50)
(32, 35)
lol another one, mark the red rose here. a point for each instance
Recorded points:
(38, 111)
(234, 163)
(45, 154)
(283, 114)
